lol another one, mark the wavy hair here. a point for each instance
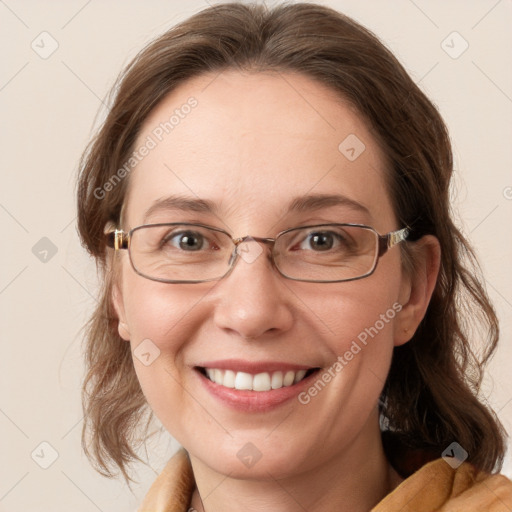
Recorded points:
(431, 394)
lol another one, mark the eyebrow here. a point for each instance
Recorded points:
(182, 203)
(314, 202)
(300, 204)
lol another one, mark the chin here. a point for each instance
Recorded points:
(254, 460)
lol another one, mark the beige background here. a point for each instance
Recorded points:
(49, 109)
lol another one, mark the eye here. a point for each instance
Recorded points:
(320, 241)
(189, 241)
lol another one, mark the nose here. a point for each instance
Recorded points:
(253, 300)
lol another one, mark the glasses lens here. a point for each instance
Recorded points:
(334, 252)
(191, 252)
(180, 252)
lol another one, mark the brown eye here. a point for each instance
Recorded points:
(321, 241)
(189, 241)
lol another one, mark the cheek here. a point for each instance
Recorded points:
(363, 311)
(361, 342)
(161, 318)
(164, 313)
(361, 345)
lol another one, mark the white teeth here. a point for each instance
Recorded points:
(264, 381)
(229, 379)
(277, 380)
(218, 375)
(288, 378)
(261, 382)
(242, 381)
(299, 376)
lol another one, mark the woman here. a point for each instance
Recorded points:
(284, 286)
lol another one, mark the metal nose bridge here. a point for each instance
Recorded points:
(238, 241)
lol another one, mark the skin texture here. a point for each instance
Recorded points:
(254, 141)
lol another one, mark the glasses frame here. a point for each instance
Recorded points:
(120, 240)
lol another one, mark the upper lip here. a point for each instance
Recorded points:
(253, 367)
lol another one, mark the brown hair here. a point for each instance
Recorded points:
(430, 396)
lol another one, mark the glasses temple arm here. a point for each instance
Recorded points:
(391, 239)
(117, 239)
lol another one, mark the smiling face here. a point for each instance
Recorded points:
(254, 146)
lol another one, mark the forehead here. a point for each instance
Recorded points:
(251, 143)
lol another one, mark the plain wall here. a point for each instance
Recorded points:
(48, 112)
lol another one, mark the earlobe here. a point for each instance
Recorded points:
(117, 301)
(124, 331)
(418, 287)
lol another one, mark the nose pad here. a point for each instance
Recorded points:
(233, 256)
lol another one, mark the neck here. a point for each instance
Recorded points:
(355, 480)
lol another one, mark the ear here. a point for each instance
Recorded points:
(117, 295)
(417, 287)
(117, 301)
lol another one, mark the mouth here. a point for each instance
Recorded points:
(259, 382)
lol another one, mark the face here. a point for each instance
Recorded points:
(251, 145)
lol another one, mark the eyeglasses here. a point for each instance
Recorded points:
(195, 253)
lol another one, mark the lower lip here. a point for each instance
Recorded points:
(254, 401)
